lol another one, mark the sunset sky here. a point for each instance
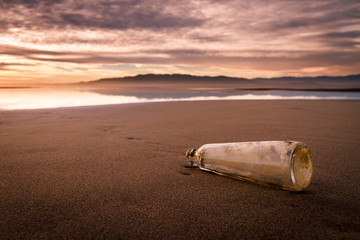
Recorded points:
(62, 41)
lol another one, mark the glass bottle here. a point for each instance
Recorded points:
(283, 163)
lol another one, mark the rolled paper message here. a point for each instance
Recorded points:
(286, 164)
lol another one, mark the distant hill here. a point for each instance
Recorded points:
(169, 77)
(187, 77)
(351, 82)
(318, 78)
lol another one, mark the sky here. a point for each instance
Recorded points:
(64, 41)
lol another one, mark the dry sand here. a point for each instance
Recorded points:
(119, 172)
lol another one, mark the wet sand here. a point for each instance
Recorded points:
(119, 172)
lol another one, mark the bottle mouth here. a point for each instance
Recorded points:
(190, 153)
(301, 167)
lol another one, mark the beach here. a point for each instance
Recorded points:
(119, 172)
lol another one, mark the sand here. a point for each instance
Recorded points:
(119, 172)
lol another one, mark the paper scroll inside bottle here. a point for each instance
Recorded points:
(284, 163)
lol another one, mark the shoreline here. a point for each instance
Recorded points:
(175, 101)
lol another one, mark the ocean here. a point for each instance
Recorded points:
(45, 97)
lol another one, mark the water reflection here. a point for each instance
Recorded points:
(37, 98)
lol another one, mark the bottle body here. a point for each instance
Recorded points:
(284, 163)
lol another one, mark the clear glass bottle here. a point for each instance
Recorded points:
(284, 163)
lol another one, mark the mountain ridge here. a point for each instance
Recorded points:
(188, 77)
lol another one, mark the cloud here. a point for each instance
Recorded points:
(26, 52)
(295, 15)
(9, 66)
(113, 15)
(234, 35)
(260, 60)
(345, 40)
(334, 15)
